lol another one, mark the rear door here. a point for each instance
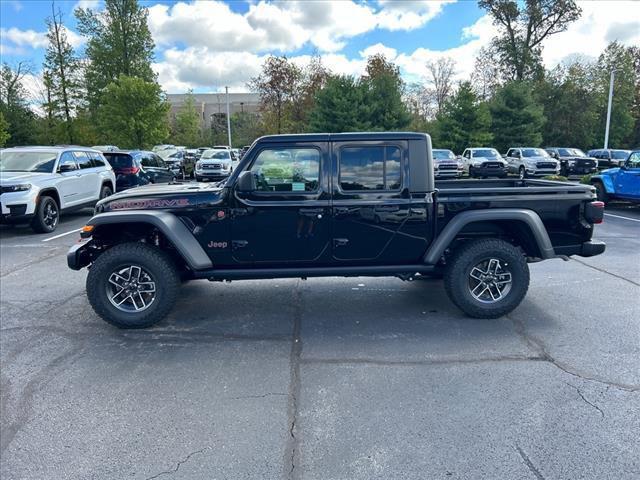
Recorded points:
(371, 202)
(91, 181)
(287, 219)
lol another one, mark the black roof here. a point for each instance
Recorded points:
(337, 137)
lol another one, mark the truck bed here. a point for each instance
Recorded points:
(511, 189)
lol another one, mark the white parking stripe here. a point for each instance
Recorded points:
(620, 216)
(62, 235)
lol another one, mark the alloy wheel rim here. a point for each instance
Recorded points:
(490, 280)
(131, 289)
(50, 217)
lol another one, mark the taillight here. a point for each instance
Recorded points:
(128, 170)
(594, 212)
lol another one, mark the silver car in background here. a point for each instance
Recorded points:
(531, 162)
(484, 162)
(445, 164)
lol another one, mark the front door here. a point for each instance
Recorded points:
(287, 219)
(371, 204)
(628, 178)
(70, 183)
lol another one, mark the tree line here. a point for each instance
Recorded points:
(111, 95)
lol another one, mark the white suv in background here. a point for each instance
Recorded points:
(532, 162)
(38, 183)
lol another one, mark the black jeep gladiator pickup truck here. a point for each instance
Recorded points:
(312, 205)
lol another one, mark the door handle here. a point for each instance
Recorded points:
(387, 209)
(311, 212)
(340, 210)
(237, 244)
(340, 242)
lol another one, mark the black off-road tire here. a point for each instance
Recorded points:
(40, 223)
(459, 266)
(105, 191)
(156, 262)
(601, 193)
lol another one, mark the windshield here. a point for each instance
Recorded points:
(27, 161)
(443, 155)
(568, 152)
(620, 154)
(486, 153)
(534, 152)
(216, 154)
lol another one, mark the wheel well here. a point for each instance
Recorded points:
(515, 232)
(108, 183)
(109, 235)
(50, 193)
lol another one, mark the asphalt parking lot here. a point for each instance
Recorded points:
(323, 379)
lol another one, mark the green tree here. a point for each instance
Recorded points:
(4, 130)
(313, 78)
(523, 28)
(464, 121)
(384, 89)
(516, 118)
(118, 43)
(133, 113)
(621, 130)
(186, 127)
(278, 85)
(245, 128)
(340, 106)
(14, 105)
(567, 98)
(62, 67)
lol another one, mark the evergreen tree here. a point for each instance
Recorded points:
(133, 113)
(517, 120)
(384, 88)
(119, 43)
(62, 74)
(186, 127)
(340, 106)
(464, 121)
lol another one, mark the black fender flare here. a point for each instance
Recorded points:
(529, 217)
(171, 227)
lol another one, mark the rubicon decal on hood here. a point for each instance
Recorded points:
(152, 203)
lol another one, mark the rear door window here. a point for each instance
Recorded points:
(96, 159)
(370, 168)
(148, 160)
(83, 160)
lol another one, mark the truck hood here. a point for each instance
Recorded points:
(10, 178)
(488, 159)
(610, 171)
(162, 197)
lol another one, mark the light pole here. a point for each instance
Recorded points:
(226, 89)
(606, 131)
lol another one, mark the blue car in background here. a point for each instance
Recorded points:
(620, 183)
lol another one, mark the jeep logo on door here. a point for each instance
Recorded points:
(217, 244)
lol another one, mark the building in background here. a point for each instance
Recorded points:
(212, 107)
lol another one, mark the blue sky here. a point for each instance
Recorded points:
(205, 45)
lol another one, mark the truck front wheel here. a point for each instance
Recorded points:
(133, 285)
(487, 278)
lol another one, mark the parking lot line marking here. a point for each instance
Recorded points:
(620, 216)
(62, 235)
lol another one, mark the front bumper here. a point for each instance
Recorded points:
(214, 174)
(488, 171)
(580, 170)
(447, 173)
(79, 255)
(542, 172)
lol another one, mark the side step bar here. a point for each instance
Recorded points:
(354, 271)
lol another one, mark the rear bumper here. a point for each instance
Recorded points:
(586, 249)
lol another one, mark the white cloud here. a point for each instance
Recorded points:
(90, 4)
(21, 40)
(283, 26)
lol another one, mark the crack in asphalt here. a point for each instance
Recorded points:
(602, 270)
(291, 449)
(537, 344)
(529, 463)
(259, 396)
(435, 361)
(54, 253)
(178, 465)
(585, 400)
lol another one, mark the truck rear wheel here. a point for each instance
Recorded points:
(133, 285)
(487, 278)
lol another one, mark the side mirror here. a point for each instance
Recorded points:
(66, 167)
(246, 182)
